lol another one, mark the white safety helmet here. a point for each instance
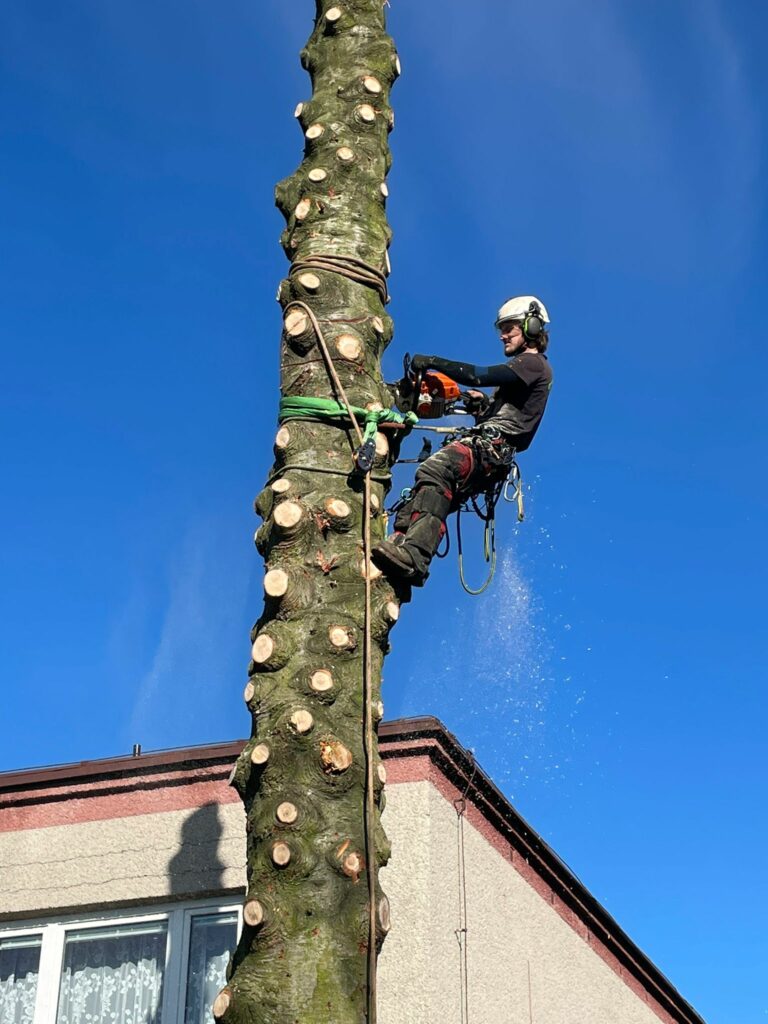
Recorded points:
(523, 307)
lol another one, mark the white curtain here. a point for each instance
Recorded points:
(113, 976)
(212, 938)
(19, 963)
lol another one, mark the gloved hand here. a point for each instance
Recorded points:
(419, 362)
(475, 402)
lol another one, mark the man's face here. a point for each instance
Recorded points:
(512, 337)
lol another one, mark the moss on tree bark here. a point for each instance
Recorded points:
(302, 957)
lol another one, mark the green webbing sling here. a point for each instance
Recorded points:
(296, 408)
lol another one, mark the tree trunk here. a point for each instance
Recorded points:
(303, 955)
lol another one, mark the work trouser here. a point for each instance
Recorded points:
(460, 470)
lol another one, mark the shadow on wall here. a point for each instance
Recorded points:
(197, 868)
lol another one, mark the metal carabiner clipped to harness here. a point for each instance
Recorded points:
(515, 481)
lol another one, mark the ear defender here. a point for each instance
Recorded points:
(533, 325)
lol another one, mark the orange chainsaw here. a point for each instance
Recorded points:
(431, 395)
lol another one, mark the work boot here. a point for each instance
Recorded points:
(408, 555)
(395, 560)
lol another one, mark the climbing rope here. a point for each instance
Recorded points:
(488, 516)
(489, 552)
(353, 413)
(346, 266)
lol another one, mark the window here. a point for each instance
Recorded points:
(165, 967)
(19, 966)
(113, 974)
(212, 939)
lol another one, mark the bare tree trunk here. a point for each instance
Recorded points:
(302, 958)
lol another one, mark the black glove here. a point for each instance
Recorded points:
(476, 405)
(419, 362)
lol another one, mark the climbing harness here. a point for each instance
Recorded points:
(487, 444)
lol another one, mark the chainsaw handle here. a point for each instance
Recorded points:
(415, 377)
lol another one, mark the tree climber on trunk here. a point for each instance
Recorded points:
(472, 463)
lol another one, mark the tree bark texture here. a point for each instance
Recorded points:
(303, 951)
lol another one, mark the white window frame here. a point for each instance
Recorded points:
(178, 916)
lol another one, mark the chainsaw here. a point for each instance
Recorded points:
(431, 395)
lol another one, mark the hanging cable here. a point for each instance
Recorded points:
(460, 806)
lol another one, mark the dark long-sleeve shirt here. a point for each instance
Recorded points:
(522, 389)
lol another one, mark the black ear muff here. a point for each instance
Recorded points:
(533, 325)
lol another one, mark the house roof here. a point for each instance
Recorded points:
(402, 741)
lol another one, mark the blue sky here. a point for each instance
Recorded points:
(606, 156)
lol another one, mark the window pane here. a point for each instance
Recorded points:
(113, 975)
(19, 965)
(212, 939)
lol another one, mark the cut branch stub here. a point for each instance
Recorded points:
(349, 346)
(345, 154)
(253, 913)
(314, 131)
(303, 208)
(221, 1003)
(365, 113)
(281, 854)
(287, 813)
(369, 570)
(282, 485)
(260, 754)
(337, 508)
(372, 85)
(302, 721)
(287, 516)
(334, 756)
(249, 693)
(353, 865)
(378, 710)
(275, 583)
(263, 648)
(385, 919)
(338, 514)
(318, 174)
(382, 445)
(321, 681)
(381, 771)
(296, 323)
(309, 281)
(282, 438)
(392, 611)
(333, 14)
(272, 648)
(341, 638)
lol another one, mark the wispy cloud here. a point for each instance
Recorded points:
(640, 150)
(197, 653)
(736, 138)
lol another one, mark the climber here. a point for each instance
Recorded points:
(505, 424)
